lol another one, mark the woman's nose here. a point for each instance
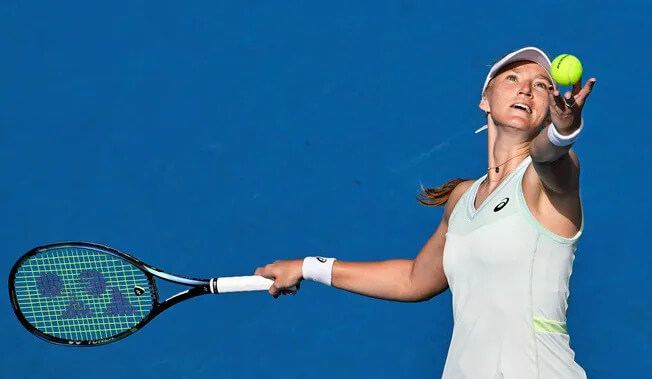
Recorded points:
(525, 89)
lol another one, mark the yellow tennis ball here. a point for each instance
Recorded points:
(566, 69)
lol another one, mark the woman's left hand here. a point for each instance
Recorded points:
(566, 111)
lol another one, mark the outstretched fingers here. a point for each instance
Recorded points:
(571, 99)
(584, 93)
(557, 100)
(577, 87)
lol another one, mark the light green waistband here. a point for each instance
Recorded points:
(550, 326)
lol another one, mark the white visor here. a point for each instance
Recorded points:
(531, 54)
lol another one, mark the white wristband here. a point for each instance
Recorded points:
(318, 269)
(561, 140)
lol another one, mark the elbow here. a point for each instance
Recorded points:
(416, 292)
(418, 297)
(422, 285)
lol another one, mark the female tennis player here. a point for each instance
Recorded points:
(506, 242)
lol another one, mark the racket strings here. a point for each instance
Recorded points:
(81, 294)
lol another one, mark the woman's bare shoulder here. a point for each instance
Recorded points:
(455, 196)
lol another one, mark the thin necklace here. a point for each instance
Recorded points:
(496, 167)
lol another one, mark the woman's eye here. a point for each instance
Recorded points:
(541, 85)
(511, 78)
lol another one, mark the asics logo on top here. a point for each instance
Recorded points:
(502, 204)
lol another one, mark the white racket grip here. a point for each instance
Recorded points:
(240, 284)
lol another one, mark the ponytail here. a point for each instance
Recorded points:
(433, 197)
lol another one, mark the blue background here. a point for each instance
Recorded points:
(211, 138)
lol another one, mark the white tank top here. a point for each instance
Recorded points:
(509, 278)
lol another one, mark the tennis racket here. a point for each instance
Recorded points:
(84, 294)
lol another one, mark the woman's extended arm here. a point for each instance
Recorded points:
(400, 279)
(556, 166)
(410, 280)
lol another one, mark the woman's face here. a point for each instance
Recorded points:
(518, 96)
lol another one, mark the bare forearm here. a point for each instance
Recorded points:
(388, 280)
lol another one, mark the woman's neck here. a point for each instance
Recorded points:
(506, 150)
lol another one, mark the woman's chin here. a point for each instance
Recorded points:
(521, 123)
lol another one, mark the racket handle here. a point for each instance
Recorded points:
(240, 284)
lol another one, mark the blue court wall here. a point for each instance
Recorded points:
(210, 138)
